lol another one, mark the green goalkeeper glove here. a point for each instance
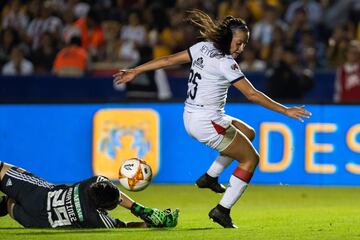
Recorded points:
(171, 217)
(156, 218)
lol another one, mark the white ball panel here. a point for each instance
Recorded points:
(140, 185)
(129, 168)
(146, 170)
(124, 182)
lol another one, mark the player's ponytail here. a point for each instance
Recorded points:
(220, 32)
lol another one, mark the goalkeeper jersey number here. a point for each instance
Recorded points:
(70, 206)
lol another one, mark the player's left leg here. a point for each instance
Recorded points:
(241, 149)
(210, 178)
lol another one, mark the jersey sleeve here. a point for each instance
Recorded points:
(231, 70)
(193, 50)
(104, 220)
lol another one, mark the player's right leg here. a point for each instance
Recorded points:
(4, 200)
(210, 178)
(243, 151)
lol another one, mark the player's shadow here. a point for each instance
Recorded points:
(87, 231)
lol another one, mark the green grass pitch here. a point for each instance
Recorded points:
(264, 212)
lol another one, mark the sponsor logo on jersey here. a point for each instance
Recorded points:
(234, 67)
(121, 134)
(199, 63)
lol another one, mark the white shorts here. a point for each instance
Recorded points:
(207, 126)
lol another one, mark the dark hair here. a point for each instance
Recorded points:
(219, 32)
(104, 194)
(75, 40)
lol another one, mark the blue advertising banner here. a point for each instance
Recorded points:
(55, 141)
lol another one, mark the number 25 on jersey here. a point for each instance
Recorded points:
(193, 84)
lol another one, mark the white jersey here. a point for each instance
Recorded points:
(211, 74)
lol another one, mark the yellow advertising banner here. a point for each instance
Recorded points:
(120, 134)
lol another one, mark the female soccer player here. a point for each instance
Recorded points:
(213, 70)
(36, 203)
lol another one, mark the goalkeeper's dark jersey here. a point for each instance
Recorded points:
(71, 206)
(42, 204)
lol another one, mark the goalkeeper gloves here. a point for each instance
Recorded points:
(154, 217)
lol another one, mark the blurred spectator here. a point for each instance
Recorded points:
(236, 8)
(80, 9)
(347, 83)
(339, 12)
(109, 52)
(71, 61)
(276, 46)
(8, 39)
(150, 85)
(159, 21)
(172, 38)
(257, 8)
(262, 33)
(338, 44)
(286, 81)
(69, 28)
(44, 21)
(15, 17)
(312, 8)
(117, 12)
(132, 36)
(250, 62)
(297, 27)
(311, 52)
(18, 65)
(44, 56)
(92, 35)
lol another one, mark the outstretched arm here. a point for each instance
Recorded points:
(126, 75)
(251, 93)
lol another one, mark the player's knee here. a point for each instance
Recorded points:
(253, 161)
(256, 159)
(251, 134)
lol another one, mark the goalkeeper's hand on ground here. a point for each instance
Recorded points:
(171, 217)
(157, 218)
(154, 217)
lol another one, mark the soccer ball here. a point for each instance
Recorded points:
(135, 174)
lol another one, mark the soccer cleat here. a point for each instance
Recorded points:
(3, 206)
(221, 218)
(205, 181)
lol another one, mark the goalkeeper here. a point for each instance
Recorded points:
(36, 203)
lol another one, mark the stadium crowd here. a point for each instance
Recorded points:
(74, 37)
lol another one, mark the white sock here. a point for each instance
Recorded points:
(218, 166)
(233, 192)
